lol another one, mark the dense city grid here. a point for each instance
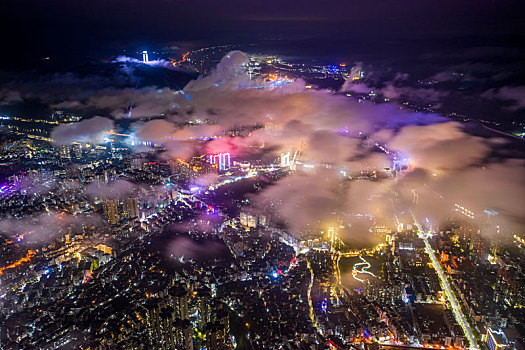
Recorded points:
(227, 196)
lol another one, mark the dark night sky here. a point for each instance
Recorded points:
(83, 30)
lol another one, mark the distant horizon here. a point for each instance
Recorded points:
(262, 175)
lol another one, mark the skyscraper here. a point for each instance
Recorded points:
(111, 211)
(179, 300)
(285, 159)
(77, 150)
(145, 58)
(496, 339)
(131, 207)
(248, 220)
(333, 236)
(64, 152)
(203, 297)
(222, 160)
(216, 336)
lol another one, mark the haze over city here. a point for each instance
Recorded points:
(244, 175)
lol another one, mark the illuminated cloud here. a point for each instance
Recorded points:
(90, 130)
(186, 248)
(45, 227)
(424, 95)
(228, 72)
(179, 149)
(149, 101)
(155, 130)
(436, 146)
(304, 202)
(8, 97)
(327, 130)
(154, 63)
(114, 189)
(496, 187)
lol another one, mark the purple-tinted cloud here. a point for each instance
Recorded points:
(86, 131)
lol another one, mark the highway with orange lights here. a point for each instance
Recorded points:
(19, 262)
(184, 57)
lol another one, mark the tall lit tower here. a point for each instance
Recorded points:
(222, 160)
(111, 211)
(332, 236)
(145, 58)
(285, 159)
(131, 206)
(415, 197)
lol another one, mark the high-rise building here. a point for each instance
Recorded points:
(496, 339)
(77, 150)
(109, 175)
(19, 179)
(333, 238)
(183, 334)
(64, 152)
(174, 166)
(222, 160)
(153, 317)
(179, 301)
(285, 159)
(272, 128)
(180, 170)
(216, 336)
(175, 194)
(145, 57)
(111, 211)
(248, 220)
(137, 163)
(165, 329)
(203, 297)
(131, 207)
(222, 317)
(415, 197)
(218, 329)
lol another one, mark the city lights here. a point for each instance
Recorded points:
(292, 202)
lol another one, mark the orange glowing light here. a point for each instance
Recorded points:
(174, 63)
(27, 258)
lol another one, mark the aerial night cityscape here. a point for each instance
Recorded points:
(212, 175)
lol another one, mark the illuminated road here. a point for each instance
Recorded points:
(501, 132)
(310, 304)
(364, 269)
(456, 308)
(184, 58)
(27, 258)
(250, 174)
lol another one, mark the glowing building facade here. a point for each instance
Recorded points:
(132, 207)
(285, 159)
(496, 339)
(222, 160)
(111, 211)
(248, 220)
